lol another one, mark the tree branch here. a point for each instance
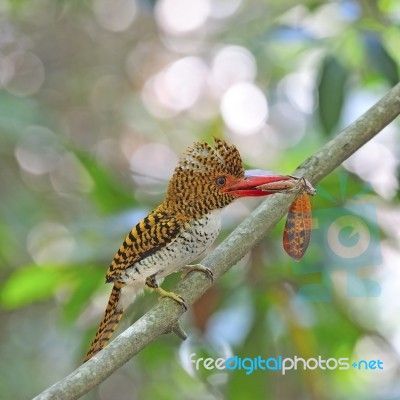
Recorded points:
(166, 313)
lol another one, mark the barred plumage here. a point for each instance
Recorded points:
(183, 226)
(149, 235)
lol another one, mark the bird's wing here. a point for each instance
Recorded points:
(152, 233)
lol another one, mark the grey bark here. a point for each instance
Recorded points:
(162, 317)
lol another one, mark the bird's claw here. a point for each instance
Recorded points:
(152, 284)
(178, 298)
(198, 267)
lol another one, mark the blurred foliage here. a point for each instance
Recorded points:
(331, 90)
(97, 100)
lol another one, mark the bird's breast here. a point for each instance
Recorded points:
(193, 239)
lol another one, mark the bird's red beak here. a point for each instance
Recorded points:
(252, 182)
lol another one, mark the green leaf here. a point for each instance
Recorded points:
(379, 58)
(331, 90)
(30, 284)
(36, 283)
(108, 194)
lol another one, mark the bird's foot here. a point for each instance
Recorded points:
(179, 299)
(152, 284)
(198, 267)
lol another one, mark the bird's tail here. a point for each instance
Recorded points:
(109, 323)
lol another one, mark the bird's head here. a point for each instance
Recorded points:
(208, 178)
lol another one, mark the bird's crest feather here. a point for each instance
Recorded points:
(202, 158)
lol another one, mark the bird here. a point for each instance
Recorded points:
(206, 179)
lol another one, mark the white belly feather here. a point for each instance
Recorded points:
(188, 245)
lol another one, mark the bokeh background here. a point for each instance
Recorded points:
(98, 99)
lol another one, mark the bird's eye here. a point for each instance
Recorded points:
(220, 181)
